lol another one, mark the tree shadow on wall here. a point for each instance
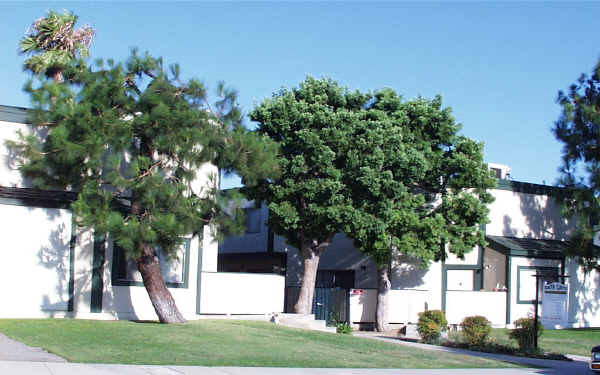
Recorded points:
(55, 256)
(14, 150)
(542, 219)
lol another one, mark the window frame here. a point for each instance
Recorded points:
(117, 258)
(536, 268)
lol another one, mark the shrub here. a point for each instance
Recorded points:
(524, 332)
(475, 329)
(431, 324)
(343, 328)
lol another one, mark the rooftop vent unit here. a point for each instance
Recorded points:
(501, 171)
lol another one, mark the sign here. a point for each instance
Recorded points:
(555, 304)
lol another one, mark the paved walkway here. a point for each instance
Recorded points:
(11, 350)
(54, 368)
(578, 365)
(19, 359)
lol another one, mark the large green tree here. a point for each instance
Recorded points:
(309, 202)
(54, 44)
(130, 138)
(578, 128)
(417, 187)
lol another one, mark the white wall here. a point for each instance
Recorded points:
(584, 296)
(35, 267)
(460, 304)
(9, 173)
(404, 305)
(524, 310)
(241, 293)
(132, 302)
(516, 214)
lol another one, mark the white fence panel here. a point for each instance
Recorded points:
(241, 293)
(460, 304)
(404, 305)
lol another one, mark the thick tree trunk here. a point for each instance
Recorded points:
(161, 298)
(309, 278)
(383, 287)
(311, 253)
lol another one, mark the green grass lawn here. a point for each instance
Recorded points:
(222, 343)
(563, 341)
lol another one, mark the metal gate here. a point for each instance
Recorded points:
(330, 304)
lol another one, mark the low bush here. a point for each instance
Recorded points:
(343, 328)
(431, 324)
(524, 333)
(475, 329)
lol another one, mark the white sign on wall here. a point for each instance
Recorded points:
(555, 304)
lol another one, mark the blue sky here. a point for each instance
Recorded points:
(498, 65)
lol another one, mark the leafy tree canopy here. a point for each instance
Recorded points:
(578, 128)
(416, 183)
(309, 200)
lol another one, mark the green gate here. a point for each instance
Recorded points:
(328, 303)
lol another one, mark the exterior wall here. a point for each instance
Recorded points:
(132, 301)
(9, 173)
(249, 242)
(36, 268)
(51, 268)
(461, 304)
(340, 255)
(404, 305)
(470, 258)
(526, 215)
(241, 293)
(494, 270)
(519, 309)
(584, 296)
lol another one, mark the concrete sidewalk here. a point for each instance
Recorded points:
(578, 365)
(11, 350)
(54, 368)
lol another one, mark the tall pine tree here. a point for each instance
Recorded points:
(130, 138)
(578, 128)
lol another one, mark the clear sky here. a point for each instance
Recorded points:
(499, 65)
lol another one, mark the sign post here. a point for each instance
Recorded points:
(555, 304)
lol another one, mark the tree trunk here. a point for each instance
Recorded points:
(311, 253)
(383, 288)
(309, 278)
(57, 75)
(162, 300)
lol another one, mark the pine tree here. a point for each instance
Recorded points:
(578, 128)
(130, 138)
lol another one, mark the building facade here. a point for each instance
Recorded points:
(526, 235)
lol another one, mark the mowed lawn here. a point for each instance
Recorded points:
(563, 341)
(222, 343)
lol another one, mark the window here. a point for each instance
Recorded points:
(497, 172)
(252, 220)
(526, 285)
(175, 270)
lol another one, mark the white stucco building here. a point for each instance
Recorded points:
(525, 235)
(52, 268)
